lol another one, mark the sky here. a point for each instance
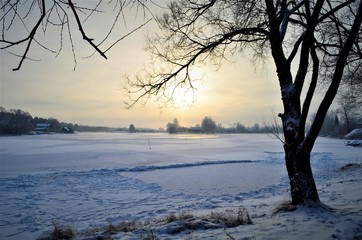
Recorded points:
(93, 93)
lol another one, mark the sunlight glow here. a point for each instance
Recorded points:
(184, 97)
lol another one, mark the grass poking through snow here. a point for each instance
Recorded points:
(231, 218)
(171, 224)
(59, 232)
(180, 216)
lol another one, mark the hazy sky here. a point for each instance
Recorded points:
(93, 95)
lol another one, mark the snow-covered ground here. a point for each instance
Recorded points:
(89, 180)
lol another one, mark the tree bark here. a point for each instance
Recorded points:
(302, 184)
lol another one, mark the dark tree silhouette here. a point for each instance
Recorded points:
(321, 37)
(350, 99)
(208, 125)
(15, 122)
(132, 128)
(173, 127)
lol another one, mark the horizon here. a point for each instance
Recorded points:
(137, 127)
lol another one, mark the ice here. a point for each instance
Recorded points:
(87, 180)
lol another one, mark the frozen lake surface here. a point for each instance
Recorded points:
(90, 179)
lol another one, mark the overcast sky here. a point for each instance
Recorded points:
(93, 93)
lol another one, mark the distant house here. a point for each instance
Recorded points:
(42, 127)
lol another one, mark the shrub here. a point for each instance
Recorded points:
(59, 232)
(231, 218)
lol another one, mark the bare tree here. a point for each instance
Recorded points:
(273, 127)
(349, 99)
(24, 21)
(349, 108)
(322, 37)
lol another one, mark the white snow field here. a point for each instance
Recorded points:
(89, 180)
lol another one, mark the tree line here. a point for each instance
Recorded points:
(337, 123)
(19, 122)
(210, 126)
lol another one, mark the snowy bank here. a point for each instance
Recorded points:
(354, 134)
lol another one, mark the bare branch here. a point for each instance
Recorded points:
(286, 17)
(128, 34)
(31, 35)
(89, 40)
(154, 88)
(55, 15)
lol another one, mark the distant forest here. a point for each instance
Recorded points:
(332, 127)
(19, 122)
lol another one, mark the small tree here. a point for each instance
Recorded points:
(208, 125)
(349, 107)
(173, 127)
(132, 128)
(240, 128)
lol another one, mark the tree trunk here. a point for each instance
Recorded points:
(302, 184)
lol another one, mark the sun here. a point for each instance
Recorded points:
(185, 96)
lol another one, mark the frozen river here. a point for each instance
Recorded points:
(89, 179)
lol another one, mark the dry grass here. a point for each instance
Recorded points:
(123, 227)
(179, 222)
(180, 216)
(285, 206)
(59, 232)
(231, 217)
(222, 219)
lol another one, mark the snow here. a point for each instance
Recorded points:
(89, 180)
(287, 90)
(355, 134)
